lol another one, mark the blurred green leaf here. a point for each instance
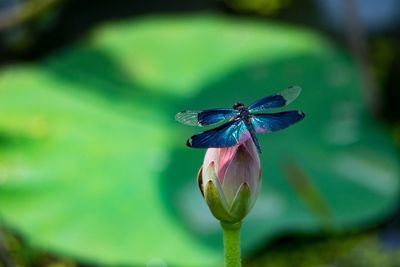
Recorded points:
(93, 165)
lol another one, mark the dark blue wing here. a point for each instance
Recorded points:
(205, 117)
(266, 123)
(281, 99)
(226, 135)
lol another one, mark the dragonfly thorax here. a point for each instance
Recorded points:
(244, 113)
(238, 106)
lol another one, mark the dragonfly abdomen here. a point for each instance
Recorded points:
(252, 132)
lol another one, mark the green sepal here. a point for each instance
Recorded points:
(214, 202)
(241, 202)
(212, 193)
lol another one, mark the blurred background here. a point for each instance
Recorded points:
(94, 170)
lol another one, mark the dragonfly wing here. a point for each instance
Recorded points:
(226, 135)
(281, 99)
(205, 117)
(266, 123)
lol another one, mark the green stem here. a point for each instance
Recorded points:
(232, 244)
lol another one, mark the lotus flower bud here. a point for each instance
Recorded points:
(230, 180)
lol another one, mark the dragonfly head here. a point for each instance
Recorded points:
(238, 106)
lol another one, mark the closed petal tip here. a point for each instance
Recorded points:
(216, 203)
(242, 202)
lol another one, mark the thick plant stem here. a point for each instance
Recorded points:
(232, 244)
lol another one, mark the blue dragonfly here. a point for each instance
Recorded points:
(241, 122)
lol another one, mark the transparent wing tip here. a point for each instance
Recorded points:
(189, 142)
(290, 93)
(178, 116)
(188, 117)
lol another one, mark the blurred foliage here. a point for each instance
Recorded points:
(385, 57)
(14, 251)
(21, 21)
(92, 164)
(360, 250)
(14, 13)
(352, 250)
(262, 7)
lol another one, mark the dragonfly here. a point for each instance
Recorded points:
(240, 122)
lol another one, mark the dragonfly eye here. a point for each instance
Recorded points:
(238, 105)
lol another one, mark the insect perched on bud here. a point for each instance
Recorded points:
(230, 177)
